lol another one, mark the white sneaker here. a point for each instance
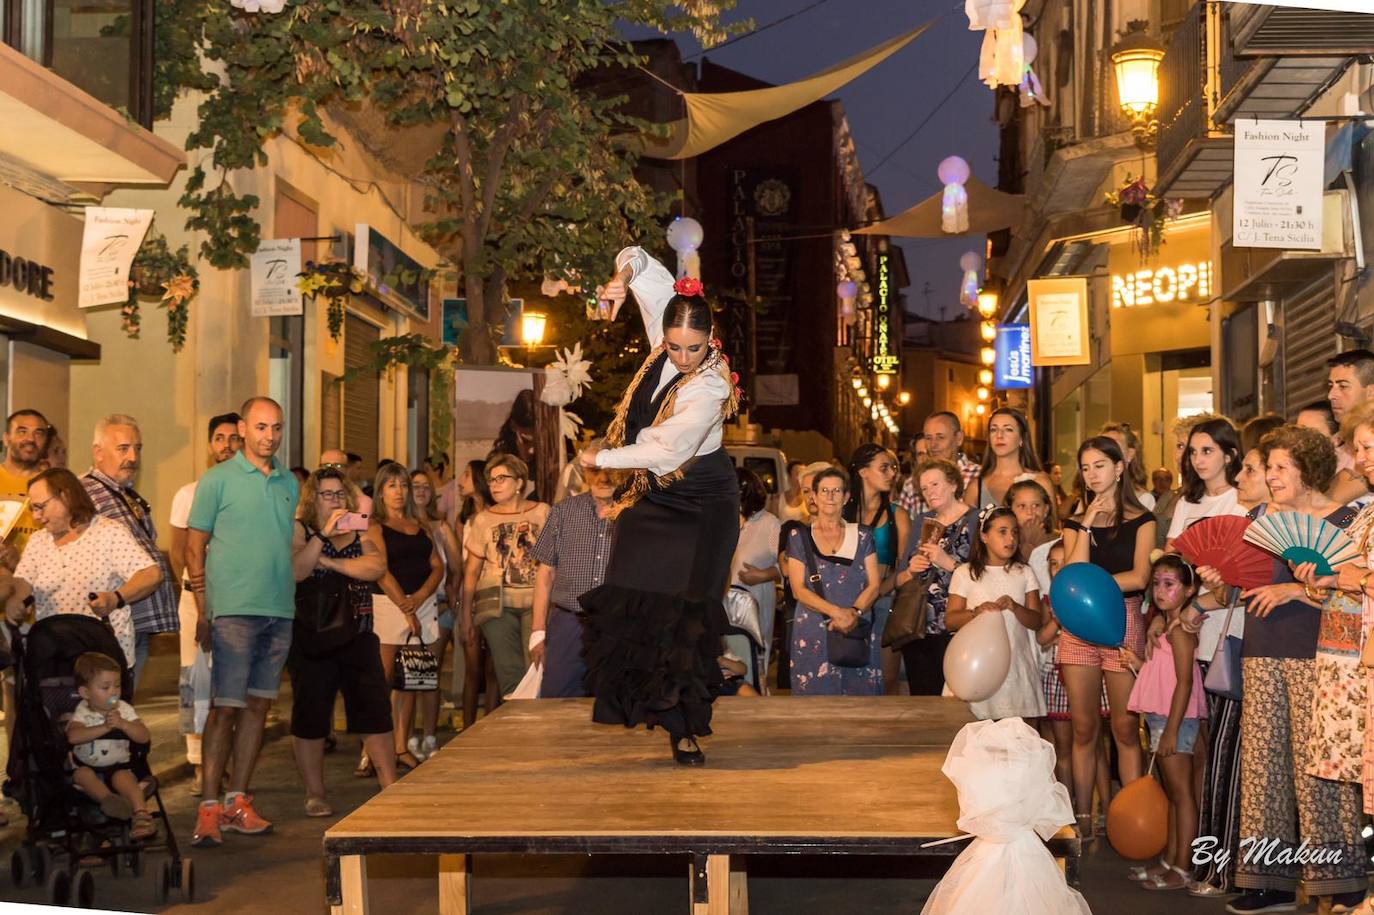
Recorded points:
(413, 745)
(429, 746)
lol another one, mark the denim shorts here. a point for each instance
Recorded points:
(246, 658)
(1187, 731)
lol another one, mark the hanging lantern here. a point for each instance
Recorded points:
(953, 172)
(848, 291)
(989, 331)
(968, 287)
(985, 376)
(685, 236)
(857, 383)
(904, 397)
(987, 355)
(1000, 61)
(981, 409)
(1032, 93)
(987, 303)
(884, 382)
(984, 394)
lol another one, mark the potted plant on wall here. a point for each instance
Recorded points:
(334, 280)
(165, 276)
(1146, 212)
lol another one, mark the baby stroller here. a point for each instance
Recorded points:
(742, 611)
(67, 837)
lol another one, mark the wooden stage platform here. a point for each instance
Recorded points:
(784, 775)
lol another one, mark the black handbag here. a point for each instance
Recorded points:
(325, 621)
(416, 668)
(843, 649)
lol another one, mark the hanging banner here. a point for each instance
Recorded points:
(1059, 321)
(109, 242)
(1012, 367)
(1336, 6)
(1279, 168)
(274, 267)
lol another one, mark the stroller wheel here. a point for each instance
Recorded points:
(39, 863)
(133, 862)
(85, 890)
(19, 869)
(188, 880)
(59, 887)
(162, 881)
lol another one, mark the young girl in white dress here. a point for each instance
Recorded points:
(994, 580)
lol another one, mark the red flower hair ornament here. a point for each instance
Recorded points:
(688, 286)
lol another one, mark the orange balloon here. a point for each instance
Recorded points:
(1138, 820)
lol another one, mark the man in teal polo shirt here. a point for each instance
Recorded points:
(238, 554)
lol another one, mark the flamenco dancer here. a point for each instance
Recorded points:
(655, 625)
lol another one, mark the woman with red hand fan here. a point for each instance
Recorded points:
(1279, 671)
(1116, 533)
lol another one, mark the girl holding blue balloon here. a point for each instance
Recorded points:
(1097, 598)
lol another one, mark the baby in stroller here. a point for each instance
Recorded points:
(100, 731)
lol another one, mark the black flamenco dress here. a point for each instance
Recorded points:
(654, 628)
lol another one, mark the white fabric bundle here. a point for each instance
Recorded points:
(1009, 800)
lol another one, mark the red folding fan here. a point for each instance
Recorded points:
(1220, 543)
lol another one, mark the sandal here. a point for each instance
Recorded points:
(364, 768)
(1142, 872)
(405, 762)
(318, 807)
(1175, 878)
(143, 825)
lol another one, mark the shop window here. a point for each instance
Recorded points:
(103, 47)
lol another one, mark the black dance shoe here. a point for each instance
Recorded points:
(692, 757)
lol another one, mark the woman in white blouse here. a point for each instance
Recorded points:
(677, 519)
(80, 562)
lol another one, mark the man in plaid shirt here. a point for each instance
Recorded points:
(115, 457)
(944, 440)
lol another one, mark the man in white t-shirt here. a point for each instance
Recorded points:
(223, 443)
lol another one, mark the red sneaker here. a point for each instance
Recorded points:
(208, 817)
(239, 816)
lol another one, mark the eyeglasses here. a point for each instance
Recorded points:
(333, 495)
(331, 466)
(38, 506)
(831, 493)
(501, 478)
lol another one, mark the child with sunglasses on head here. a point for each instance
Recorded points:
(1168, 692)
(995, 580)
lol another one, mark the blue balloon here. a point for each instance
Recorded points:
(1088, 602)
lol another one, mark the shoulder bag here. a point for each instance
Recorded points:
(1223, 674)
(907, 621)
(843, 649)
(325, 619)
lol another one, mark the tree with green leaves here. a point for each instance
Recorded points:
(528, 172)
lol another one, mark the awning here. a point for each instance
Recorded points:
(988, 211)
(715, 117)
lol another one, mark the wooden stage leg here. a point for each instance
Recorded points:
(717, 888)
(352, 885)
(455, 884)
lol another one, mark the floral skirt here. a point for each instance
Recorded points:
(1338, 742)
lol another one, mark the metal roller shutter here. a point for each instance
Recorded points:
(1309, 339)
(361, 396)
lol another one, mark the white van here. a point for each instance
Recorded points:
(769, 463)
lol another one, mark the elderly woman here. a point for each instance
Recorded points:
(320, 549)
(1286, 776)
(499, 571)
(941, 483)
(80, 562)
(833, 569)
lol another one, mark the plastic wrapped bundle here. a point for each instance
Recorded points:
(1009, 801)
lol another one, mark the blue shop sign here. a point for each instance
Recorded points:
(1012, 368)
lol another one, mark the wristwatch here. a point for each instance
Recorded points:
(119, 599)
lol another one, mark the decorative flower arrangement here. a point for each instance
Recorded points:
(564, 380)
(167, 276)
(1145, 211)
(334, 280)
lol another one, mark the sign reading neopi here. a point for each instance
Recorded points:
(29, 277)
(1181, 284)
(1012, 367)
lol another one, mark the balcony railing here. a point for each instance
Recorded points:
(1182, 88)
(103, 47)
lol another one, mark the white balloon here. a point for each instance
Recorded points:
(978, 658)
(684, 234)
(970, 261)
(1029, 48)
(953, 170)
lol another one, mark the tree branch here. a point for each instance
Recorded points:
(496, 158)
(467, 190)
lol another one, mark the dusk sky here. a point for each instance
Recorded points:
(885, 105)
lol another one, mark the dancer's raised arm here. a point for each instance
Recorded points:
(649, 280)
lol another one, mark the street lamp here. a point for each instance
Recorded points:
(985, 376)
(904, 398)
(532, 325)
(984, 394)
(988, 355)
(884, 382)
(989, 331)
(987, 303)
(1136, 58)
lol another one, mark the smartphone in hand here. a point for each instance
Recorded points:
(353, 521)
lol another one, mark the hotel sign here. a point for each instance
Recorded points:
(884, 359)
(1179, 284)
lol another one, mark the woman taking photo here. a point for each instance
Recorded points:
(1009, 459)
(841, 554)
(498, 577)
(80, 562)
(872, 473)
(940, 485)
(1281, 741)
(319, 549)
(404, 606)
(677, 523)
(423, 489)
(1116, 533)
